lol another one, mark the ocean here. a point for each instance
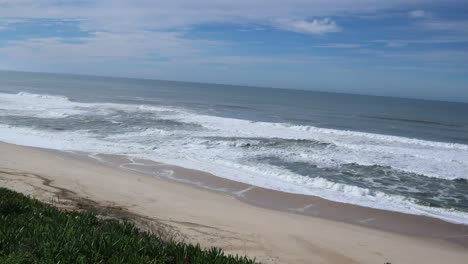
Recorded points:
(396, 154)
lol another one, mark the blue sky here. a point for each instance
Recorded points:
(399, 48)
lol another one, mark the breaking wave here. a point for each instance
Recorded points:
(380, 171)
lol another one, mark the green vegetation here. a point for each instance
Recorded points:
(34, 232)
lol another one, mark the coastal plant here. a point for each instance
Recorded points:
(34, 232)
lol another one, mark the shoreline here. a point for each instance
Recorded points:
(324, 232)
(308, 205)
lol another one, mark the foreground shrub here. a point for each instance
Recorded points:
(33, 232)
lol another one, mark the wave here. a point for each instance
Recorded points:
(428, 158)
(259, 142)
(280, 179)
(291, 131)
(231, 148)
(29, 104)
(44, 96)
(413, 121)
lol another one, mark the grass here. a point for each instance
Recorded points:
(34, 232)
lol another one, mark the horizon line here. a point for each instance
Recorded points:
(233, 85)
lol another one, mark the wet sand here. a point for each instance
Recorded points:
(273, 226)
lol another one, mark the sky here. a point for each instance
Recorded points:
(411, 48)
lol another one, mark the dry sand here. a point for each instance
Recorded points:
(217, 219)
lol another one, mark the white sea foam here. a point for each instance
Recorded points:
(27, 104)
(235, 159)
(432, 159)
(44, 96)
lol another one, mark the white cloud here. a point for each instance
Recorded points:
(137, 32)
(5, 23)
(396, 44)
(460, 26)
(129, 15)
(340, 45)
(445, 39)
(447, 56)
(316, 26)
(419, 14)
(136, 45)
(425, 68)
(135, 54)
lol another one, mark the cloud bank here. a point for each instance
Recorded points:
(304, 16)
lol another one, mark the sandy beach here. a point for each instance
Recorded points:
(272, 227)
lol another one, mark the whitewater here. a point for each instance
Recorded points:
(389, 172)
